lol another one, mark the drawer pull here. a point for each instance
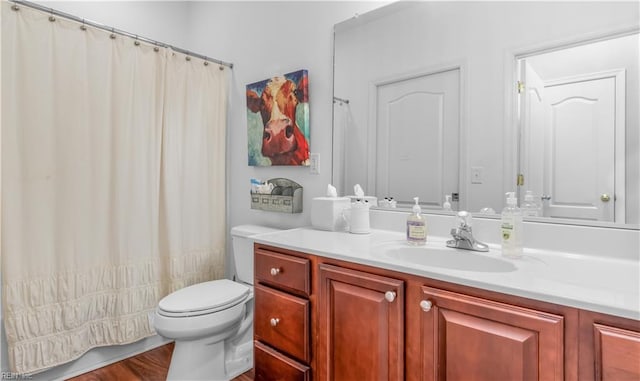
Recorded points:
(275, 271)
(274, 322)
(390, 296)
(426, 305)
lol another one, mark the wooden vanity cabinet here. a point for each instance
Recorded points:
(361, 326)
(282, 316)
(463, 335)
(365, 323)
(609, 348)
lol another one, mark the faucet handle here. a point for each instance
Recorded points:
(464, 218)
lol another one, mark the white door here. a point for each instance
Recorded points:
(532, 131)
(579, 160)
(417, 138)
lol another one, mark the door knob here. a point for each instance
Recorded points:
(426, 305)
(274, 321)
(275, 271)
(390, 296)
(605, 197)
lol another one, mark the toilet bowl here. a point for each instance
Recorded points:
(212, 322)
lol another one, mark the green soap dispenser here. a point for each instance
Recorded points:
(416, 226)
(511, 228)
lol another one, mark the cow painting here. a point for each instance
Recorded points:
(278, 120)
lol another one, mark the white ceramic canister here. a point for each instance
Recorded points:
(326, 212)
(357, 217)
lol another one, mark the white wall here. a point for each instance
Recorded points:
(261, 39)
(163, 21)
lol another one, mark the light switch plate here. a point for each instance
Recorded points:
(314, 163)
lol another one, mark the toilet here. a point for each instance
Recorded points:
(212, 322)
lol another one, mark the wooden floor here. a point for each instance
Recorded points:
(148, 366)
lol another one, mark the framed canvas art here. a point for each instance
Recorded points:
(278, 120)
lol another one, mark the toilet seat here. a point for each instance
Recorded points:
(203, 298)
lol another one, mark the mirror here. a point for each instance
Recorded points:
(432, 99)
(580, 94)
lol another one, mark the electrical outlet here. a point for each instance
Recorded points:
(314, 163)
(476, 175)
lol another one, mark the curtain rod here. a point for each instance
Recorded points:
(94, 24)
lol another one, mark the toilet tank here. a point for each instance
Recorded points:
(242, 246)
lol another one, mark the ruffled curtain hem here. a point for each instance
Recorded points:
(57, 319)
(79, 343)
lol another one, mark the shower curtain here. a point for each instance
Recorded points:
(113, 189)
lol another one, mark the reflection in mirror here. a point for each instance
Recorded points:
(417, 128)
(573, 117)
(434, 108)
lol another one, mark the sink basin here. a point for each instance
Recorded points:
(433, 255)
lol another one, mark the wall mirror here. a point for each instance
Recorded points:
(471, 100)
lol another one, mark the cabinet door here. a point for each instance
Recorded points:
(361, 326)
(609, 348)
(617, 354)
(466, 338)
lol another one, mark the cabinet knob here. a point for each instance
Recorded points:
(390, 296)
(275, 271)
(274, 321)
(426, 305)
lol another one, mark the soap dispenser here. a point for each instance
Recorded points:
(511, 228)
(416, 226)
(530, 208)
(447, 202)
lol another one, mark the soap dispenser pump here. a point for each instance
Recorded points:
(416, 226)
(511, 228)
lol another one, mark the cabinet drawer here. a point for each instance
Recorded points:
(282, 321)
(279, 270)
(271, 366)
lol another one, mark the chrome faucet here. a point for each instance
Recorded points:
(463, 237)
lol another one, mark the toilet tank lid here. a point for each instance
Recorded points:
(215, 294)
(249, 230)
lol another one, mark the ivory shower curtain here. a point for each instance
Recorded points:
(113, 189)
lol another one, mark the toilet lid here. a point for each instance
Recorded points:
(204, 297)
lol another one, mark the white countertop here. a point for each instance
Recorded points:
(607, 285)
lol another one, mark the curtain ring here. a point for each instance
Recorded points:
(206, 63)
(136, 42)
(187, 58)
(113, 34)
(51, 18)
(83, 27)
(15, 7)
(221, 67)
(156, 49)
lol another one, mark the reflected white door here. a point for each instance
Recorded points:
(532, 131)
(579, 160)
(417, 138)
